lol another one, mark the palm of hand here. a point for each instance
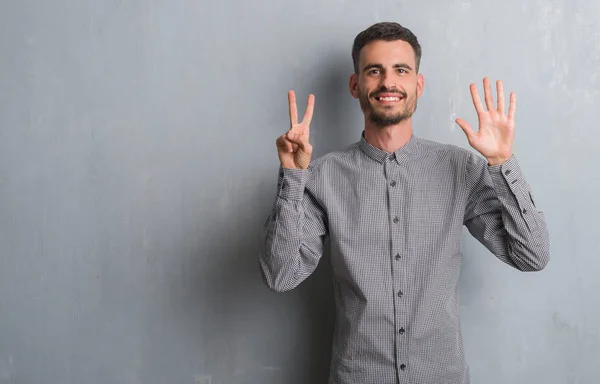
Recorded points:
(495, 136)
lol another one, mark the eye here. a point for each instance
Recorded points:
(374, 71)
(402, 70)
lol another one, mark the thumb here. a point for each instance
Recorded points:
(466, 127)
(298, 139)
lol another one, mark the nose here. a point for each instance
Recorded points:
(388, 81)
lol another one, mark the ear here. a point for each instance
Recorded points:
(354, 85)
(420, 84)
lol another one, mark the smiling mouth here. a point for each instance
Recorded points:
(389, 98)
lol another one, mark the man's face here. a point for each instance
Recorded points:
(387, 84)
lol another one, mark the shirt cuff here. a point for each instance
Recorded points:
(508, 177)
(291, 183)
(511, 186)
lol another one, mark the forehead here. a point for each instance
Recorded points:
(387, 53)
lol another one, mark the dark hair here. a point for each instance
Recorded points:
(387, 31)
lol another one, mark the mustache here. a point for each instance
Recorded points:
(385, 90)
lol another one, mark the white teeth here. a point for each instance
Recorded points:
(389, 98)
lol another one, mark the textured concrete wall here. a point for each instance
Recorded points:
(138, 163)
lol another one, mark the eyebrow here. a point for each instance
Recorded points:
(380, 66)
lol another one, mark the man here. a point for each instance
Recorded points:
(393, 206)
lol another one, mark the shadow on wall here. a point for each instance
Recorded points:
(256, 335)
(227, 324)
(233, 328)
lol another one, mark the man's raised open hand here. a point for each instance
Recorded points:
(495, 136)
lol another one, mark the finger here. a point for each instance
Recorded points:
(487, 91)
(500, 90)
(308, 114)
(466, 127)
(293, 108)
(285, 144)
(297, 131)
(298, 139)
(512, 108)
(476, 100)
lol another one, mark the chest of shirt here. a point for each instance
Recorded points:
(381, 210)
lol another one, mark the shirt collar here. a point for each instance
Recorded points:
(381, 156)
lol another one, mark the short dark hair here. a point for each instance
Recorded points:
(386, 31)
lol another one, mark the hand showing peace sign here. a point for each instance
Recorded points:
(494, 139)
(293, 147)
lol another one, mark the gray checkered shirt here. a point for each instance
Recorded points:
(394, 222)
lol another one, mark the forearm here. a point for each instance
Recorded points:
(525, 238)
(293, 233)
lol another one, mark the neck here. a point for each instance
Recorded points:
(389, 138)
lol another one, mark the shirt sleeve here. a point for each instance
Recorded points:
(502, 215)
(294, 233)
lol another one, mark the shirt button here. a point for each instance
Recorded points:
(393, 183)
(403, 367)
(396, 220)
(507, 172)
(398, 256)
(524, 210)
(401, 331)
(400, 293)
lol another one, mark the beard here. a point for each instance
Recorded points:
(386, 117)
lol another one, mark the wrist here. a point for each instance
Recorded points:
(492, 161)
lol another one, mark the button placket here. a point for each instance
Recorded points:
(395, 192)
